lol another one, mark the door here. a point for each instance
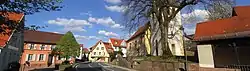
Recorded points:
(50, 59)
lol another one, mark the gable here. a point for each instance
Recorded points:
(115, 42)
(123, 43)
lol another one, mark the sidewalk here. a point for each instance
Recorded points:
(120, 67)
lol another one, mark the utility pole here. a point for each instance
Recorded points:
(185, 52)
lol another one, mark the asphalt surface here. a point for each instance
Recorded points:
(94, 66)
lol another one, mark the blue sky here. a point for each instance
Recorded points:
(89, 20)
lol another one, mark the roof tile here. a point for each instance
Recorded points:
(11, 16)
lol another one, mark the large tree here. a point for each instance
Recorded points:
(26, 7)
(161, 12)
(68, 46)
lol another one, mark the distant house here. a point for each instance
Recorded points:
(138, 43)
(11, 45)
(100, 51)
(118, 45)
(225, 42)
(83, 51)
(38, 46)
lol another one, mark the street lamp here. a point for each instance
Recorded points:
(185, 52)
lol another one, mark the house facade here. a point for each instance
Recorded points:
(224, 42)
(137, 44)
(100, 52)
(11, 45)
(175, 37)
(150, 33)
(38, 46)
(118, 45)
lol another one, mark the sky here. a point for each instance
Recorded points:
(93, 20)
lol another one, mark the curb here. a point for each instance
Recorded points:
(120, 67)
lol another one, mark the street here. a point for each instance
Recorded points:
(94, 67)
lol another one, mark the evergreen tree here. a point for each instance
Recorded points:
(68, 46)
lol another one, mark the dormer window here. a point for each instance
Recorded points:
(116, 43)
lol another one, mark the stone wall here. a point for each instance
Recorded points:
(158, 66)
(174, 66)
(195, 67)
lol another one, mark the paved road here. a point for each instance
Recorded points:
(95, 67)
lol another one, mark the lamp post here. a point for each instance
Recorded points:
(185, 52)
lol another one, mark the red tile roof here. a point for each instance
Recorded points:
(85, 50)
(242, 11)
(41, 37)
(140, 31)
(11, 16)
(81, 45)
(108, 47)
(232, 27)
(116, 42)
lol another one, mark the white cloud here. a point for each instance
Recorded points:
(106, 33)
(86, 13)
(108, 21)
(71, 24)
(79, 37)
(56, 32)
(117, 26)
(115, 8)
(195, 16)
(113, 1)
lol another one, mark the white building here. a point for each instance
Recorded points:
(118, 45)
(100, 52)
(176, 41)
(11, 46)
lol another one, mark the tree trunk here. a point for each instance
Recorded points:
(163, 25)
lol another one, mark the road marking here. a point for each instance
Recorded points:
(105, 67)
(76, 67)
(89, 65)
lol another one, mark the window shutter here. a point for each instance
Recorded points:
(38, 56)
(26, 58)
(34, 57)
(44, 57)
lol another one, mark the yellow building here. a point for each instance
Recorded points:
(100, 52)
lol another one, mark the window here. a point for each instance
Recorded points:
(42, 47)
(102, 48)
(52, 47)
(30, 57)
(31, 46)
(97, 48)
(41, 57)
(100, 53)
(115, 42)
(94, 53)
(173, 48)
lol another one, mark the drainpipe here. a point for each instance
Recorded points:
(185, 52)
(236, 52)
